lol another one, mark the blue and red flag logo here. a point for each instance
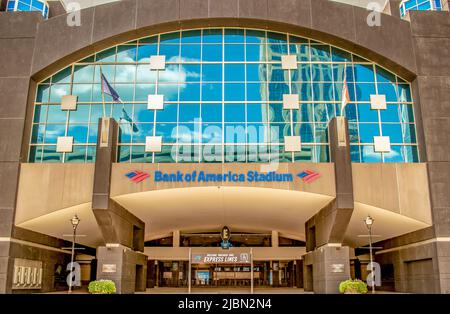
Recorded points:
(137, 176)
(309, 176)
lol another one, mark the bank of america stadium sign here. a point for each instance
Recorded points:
(195, 176)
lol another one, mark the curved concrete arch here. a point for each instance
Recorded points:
(345, 26)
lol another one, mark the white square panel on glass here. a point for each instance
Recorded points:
(289, 62)
(378, 102)
(64, 144)
(290, 101)
(153, 144)
(292, 144)
(69, 102)
(155, 102)
(157, 62)
(382, 144)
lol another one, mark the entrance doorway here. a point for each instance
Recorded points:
(265, 274)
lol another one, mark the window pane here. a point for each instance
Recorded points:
(364, 73)
(53, 131)
(211, 112)
(57, 91)
(369, 155)
(189, 112)
(366, 114)
(167, 154)
(143, 130)
(234, 113)
(50, 155)
(56, 115)
(212, 53)
(212, 36)
(40, 113)
(81, 115)
(212, 92)
(191, 53)
(212, 72)
(126, 53)
(234, 52)
(367, 131)
(391, 114)
(234, 92)
(191, 72)
(235, 72)
(190, 92)
(256, 53)
(142, 114)
(394, 131)
(83, 74)
(212, 133)
(256, 112)
(145, 51)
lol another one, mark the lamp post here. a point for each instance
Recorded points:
(369, 222)
(74, 221)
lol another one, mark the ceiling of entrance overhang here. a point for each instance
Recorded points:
(57, 224)
(210, 208)
(386, 225)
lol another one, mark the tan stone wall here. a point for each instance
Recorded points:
(45, 188)
(400, 188)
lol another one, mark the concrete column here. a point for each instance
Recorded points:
(325, 268)
(431, 90)
(122, 232)
(326, 262)
(127, 268)
(55, 8)
(275, 238)
(394, 7)
(17, 89)
(299, 273)
(176, 238)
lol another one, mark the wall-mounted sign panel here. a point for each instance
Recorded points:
(109, 268)
(27, 274)
(221, 258)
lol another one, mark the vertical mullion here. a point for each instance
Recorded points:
(378, 111)
(223, 94)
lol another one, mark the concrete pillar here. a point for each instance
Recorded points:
(326, 262)
(430, 94)
(393, 7)
(127, 268)
(55, 8)
(122, 232)
(176, 238)
(275, 238)
(151, 274)
(298, 264)
(15, 88)
(325, 268)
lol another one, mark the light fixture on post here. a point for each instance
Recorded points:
(75, 221)
(369, 222)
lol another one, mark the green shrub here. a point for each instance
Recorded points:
(353, 286)
(102, 287)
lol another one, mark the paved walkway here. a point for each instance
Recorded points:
(205, 291)
(225, 291)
